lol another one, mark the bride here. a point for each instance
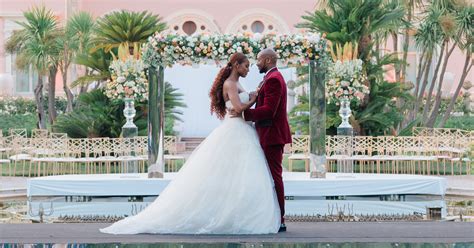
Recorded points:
(225, 187)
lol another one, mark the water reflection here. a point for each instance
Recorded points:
(249, 245)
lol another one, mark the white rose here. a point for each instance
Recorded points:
(121, 79)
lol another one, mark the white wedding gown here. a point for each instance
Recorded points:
(225, 187)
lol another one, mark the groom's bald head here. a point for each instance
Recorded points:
(266, 59)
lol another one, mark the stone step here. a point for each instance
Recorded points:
(192, 142)
(5, 197)
(12, 193)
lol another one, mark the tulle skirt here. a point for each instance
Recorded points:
(225, 187)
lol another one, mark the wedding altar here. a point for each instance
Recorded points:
(127, 194)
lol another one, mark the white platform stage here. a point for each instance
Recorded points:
(116, 194)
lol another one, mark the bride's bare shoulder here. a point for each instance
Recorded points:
(229, 83)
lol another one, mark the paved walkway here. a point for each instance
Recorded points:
(298, 232)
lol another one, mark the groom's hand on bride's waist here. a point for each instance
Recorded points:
(233, 113)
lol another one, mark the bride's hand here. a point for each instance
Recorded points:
(253, 96)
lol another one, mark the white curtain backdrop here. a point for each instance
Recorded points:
(195, 84)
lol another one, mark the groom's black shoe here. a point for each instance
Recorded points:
(282, 228)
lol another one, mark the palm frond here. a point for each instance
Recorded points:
(124, 26)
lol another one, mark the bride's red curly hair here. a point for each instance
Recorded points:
(216, 93)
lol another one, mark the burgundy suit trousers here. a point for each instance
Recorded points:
(274, 155)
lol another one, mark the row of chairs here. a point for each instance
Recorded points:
(423, 153)
(56, 154)
(391, 154)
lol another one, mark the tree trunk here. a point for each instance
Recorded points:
(39, 103)
(67, 56)
(467, 67)
(364, 44)
(423, 85)
(83, 88)
(395, 50)
(67, 90)
(422, 66)
(435, 112)
(421, 69)
(52, 94)
(433, 82)
(406, 41)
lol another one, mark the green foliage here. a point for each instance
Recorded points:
(98, 62)
(123, 26)
(460, 122)
(354, 21)
(383, 112)
(459, 105)
(380, 113)
(17, 106)
(95, 115)
(26, 120)
(299, 116)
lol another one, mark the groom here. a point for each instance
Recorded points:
(271, 120)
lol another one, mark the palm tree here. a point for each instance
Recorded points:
(125, 27)
(355, 21)
(450, 31)
(83, 24)
(97, 63)
(35, 46)
(74, 40)
(119, 28)
(427, 39)
(465, 40)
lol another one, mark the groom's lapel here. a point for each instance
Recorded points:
(260, 86)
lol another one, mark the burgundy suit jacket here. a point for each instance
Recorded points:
(269, 115)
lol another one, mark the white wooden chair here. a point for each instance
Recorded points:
(362, 152)
(299, 151)
(3, 149)
(462, 142)
(338, 150)
(20, 146)
(170, 148)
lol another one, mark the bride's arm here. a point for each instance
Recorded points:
(233, 93)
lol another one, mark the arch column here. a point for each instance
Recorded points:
(317, 119)
(156, 117)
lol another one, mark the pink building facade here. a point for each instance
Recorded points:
(184, 16)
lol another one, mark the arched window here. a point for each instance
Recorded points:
(190, 21)
(257, 27)
(257, 21)
(189, 27)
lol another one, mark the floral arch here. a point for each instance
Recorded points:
(295, 49)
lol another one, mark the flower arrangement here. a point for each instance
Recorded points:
(128, 78)
(168, 49)
(346, 76)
